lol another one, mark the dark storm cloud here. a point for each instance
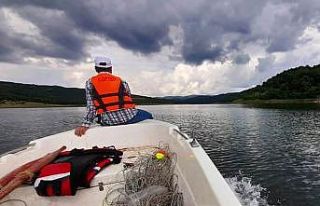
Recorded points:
(5, 50)
(58, 38)
(212, 30)
(65, 40)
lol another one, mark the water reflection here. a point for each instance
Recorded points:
(274, 149)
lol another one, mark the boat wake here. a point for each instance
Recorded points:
(248, 193)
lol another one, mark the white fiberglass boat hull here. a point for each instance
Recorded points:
(199, 180)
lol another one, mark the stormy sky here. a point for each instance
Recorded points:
(173, 47)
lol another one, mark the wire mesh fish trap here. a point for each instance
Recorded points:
(149, 182)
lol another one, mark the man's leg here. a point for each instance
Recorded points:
(140, 116)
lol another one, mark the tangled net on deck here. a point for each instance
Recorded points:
(148, 182)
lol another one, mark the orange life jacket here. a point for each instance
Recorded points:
(109, 93)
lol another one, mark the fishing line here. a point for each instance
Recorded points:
(149, 181)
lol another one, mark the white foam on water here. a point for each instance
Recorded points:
(249, 194)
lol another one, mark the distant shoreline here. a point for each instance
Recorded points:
(274, 103)
(278, 101)
(24, 104)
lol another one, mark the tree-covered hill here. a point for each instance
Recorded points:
(203, 99)
(297, 83)
(10, 91)
(16, 92)
(293, 84)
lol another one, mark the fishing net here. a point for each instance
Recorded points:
(149, 181)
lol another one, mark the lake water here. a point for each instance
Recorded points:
(268, 156)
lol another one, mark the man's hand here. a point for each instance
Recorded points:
(80, 130)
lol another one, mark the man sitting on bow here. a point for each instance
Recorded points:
(109, 99)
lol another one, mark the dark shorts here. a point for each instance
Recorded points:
(140, 116)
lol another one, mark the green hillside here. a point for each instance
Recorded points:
(10, 91)
(16, 93)
(293, 86)
(297, 83)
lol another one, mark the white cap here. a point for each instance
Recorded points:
(102, 62)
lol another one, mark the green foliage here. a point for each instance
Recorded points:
(46, 94)
(10, 91)
(298, 83)
(138, 99)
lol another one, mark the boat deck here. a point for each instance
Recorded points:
(199, 180)
(106, 180)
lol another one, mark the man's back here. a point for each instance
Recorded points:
(104, 101)
(109, 99)
(109, 93)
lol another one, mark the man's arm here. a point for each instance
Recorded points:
(91, 111)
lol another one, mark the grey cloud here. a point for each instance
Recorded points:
(265, 63)
(142, 26)
(59, 38)
(241, 59)
(65, 40)
(7, 52)
(290, 19)
(212, 30)
(216, 29)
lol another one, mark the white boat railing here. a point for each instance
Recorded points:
(194, 142)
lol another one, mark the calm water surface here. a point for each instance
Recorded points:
(268, 156)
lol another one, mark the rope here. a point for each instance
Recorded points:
(27, 175)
